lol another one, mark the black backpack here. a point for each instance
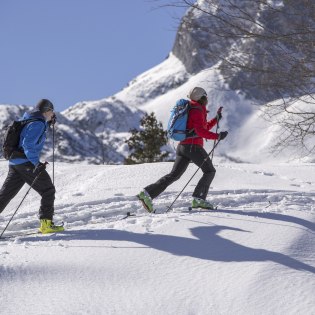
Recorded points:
(11, 138)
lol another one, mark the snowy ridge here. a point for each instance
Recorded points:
(11, 112)
(97, 137)
(255, 255)
(165, 77)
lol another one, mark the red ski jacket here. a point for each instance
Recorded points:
(197, 120)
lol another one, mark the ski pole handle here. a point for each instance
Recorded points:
(219, 115)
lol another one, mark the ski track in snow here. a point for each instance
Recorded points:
(112, 211)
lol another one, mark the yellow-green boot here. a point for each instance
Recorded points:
(146, 200)
(203, 204)
(47, 226)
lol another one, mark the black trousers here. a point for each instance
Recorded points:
(184, 154)
(23, 173)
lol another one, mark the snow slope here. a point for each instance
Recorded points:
(256, 255)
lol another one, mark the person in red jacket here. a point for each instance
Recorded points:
(190, 149)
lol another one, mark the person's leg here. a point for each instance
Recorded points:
(46, 189)
(43, 185)
(11, 186)
(179, 167)
(200, 157)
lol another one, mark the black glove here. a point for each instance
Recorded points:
(53, 120)
(40, 167)
(222, 135)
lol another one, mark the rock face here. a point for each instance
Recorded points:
(263, 48)
(197, 44)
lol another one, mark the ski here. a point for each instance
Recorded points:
(202, 209)
(37, 234)
(34, 232)
(190, 210)
(20, 234)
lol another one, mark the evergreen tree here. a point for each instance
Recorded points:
(145, 144)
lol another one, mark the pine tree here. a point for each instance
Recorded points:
(145, 144)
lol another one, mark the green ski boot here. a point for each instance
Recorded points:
(47, 226)
(146, 200)
(203, 204)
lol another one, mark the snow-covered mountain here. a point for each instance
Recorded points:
(95, 131)
(97, 136)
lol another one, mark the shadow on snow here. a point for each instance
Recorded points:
(272, 216)
(207, 245)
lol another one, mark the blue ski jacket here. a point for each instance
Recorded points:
(32, 139)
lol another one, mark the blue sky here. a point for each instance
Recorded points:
(76, 50)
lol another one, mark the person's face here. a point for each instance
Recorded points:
(204, 100)
(48, 115)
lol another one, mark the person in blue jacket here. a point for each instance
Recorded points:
(25, 166)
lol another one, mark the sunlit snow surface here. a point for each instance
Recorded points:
(254, 255)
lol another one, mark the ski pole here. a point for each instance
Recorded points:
(53, 136)
(35, 179)
(216, 130)
(170, 207)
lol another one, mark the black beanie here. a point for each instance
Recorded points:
(44, 106)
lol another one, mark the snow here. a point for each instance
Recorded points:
(155, 82)
(255, 255)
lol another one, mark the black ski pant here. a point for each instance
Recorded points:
(184, 154)
(23, 173)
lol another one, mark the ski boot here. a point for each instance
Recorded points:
(146, 200)
(47, 226)
(203, 204)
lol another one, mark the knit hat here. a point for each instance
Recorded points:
(197, 93)
(44, 106)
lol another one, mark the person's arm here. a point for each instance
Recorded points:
(211, 123)
(33, 131)
(200, 127)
